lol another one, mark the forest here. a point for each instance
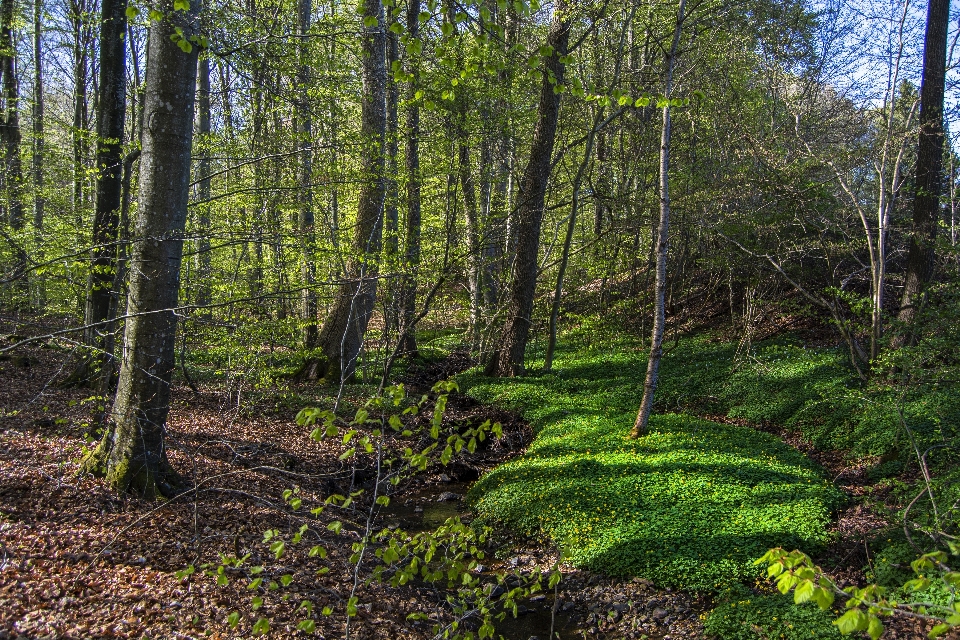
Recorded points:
(472, 319)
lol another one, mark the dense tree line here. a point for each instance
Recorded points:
(331, 177)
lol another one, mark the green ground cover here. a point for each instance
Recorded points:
(690, 505)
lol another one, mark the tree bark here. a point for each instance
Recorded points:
(112, 102)
(78, 11)
(929, 174)
(392, 204)
(39, 198)
(508, 359)
(203, 187)
(10, 126)
(308, 299)
(660, 282)
(132, 454)
(341, 337)
(468, 193)
(568, 239)
(411, 256)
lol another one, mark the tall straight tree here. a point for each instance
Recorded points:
(111, 108)
(132, 454)
(10, 135)
(341, 337)
(508, 359)
(39, 198)
(80, 24)
(307, 224)
(663, 235)
(203, 183)
(929, 175)
(411, 256)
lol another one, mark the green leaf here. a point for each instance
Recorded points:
(261, 627)
(181, 5)
(233, 619)
(286, 579)
(132, 12)
(938, 630)
(804, 592)
(256, 603)
(875, 628)
(370, 21)
(335, 526)
(317, 552)
(307, 626)
(852, 620)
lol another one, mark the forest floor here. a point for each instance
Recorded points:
(78, 561)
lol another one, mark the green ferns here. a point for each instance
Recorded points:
(690, 505)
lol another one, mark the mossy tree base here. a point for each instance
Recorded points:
(132, 470)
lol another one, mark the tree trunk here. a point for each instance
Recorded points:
(568, 239)
(39, 198)
(660, 283)
(112, 102)
(392, 205)
(929, 175)
(132, 454)
(343, 331)
(411, 256)
(308, 298)
(508, 359)
(78, 19)
(10, 128)
(203, 187)
(471, 219)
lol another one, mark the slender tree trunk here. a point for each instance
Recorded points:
(929, 175)
(508, 359)
(308, 299)
(392, 205)
(111, 103)
(203, 187)
(411, 256)
(468, 192)
(132, 454)
(10, 128)
(345, 327)
(568, 239)
(660, 283)
(79, 19)
(39, 198)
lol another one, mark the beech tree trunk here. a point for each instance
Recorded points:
(568, 240)
(507, 360)
(411, 256)
(341, 337)
(663, 232)
(929, 175)
(78, 18)
(10, 126)
(132, 454)
(308, 299)
(39, 198)
(203, 185)
(112, 101)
